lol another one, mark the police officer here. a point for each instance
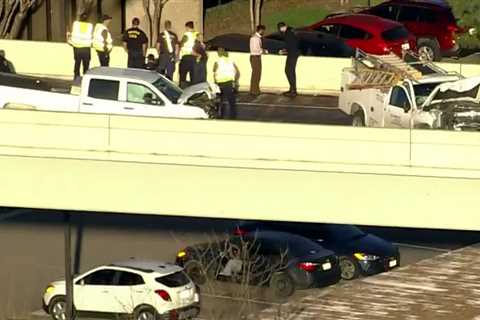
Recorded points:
(188, 59)
(102, 40)
(135, 43)
(226, 75)
(81, 40)
(167, 47)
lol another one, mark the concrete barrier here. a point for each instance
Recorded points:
(239, 170)
(315, 74)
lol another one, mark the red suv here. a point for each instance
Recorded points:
(432, 22)
(369, 33)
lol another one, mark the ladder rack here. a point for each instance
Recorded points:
(374, 71)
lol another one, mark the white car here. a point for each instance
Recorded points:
(147, 290)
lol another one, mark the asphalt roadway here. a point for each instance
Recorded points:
(302, 109)
(31, 246)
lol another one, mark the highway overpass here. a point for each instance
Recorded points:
(241, 170)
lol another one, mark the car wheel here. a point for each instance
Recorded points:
(358, 119)
(349, 268)
(429, 50)
(58, 308)
(282, 285)
(145, 313)
(196, 272)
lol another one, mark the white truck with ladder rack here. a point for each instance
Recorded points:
(388, 91)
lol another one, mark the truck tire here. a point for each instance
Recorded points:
(358, 119)
(429, 50)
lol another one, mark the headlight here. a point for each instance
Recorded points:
(49, 289)
(366, 257)
(214, 88)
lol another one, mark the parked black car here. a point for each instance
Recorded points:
(360, 253)
(312, 43)
(283, 261)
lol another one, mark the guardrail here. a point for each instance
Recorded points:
(315, 74)
(242, 170)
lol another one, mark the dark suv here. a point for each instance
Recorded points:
(432, 22)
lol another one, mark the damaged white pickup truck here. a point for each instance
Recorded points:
(387, 92)
(104, 90)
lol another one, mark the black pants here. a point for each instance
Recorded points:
(290, 71)
(187, 67)
(82, 56)
(166, 65)
(104, 58)
(200, 71)
(228, 100)
(136, 60)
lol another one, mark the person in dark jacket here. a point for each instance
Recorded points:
(200, 67)
(135, 42)
(292, 51)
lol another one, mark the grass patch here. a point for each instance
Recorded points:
(296, 17)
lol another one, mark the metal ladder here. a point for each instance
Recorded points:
(374, 71)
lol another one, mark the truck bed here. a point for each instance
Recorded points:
(35, 83)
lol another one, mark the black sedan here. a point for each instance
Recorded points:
(312, 43)
(280, 260)
(360, 253)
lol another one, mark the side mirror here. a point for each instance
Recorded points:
(406, 107)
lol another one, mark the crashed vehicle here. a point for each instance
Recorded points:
(455, 105)
(384, 91)
(133, 92)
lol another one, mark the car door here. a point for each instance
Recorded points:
(130, 291)
(356, 38)
(93, 292)
(143, 101)
(399, 108)
(102, 97)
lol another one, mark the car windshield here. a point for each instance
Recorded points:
(422, 91)
(168, 88)
(396, 33)
(343, 232)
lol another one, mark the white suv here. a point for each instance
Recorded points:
(145, 289)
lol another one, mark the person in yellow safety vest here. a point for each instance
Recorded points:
(187, 57)
(81, 39)
(226, 75)
(102, 40)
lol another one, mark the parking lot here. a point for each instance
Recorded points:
(37, 256)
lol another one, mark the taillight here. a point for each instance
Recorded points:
(307, 266)
(163, 294)
(239, 231)
(452, 28)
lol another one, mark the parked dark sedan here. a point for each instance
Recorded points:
(360, 253)
(312, 43)
(280, 260)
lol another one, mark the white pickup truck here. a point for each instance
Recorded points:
(403, 105)
(112, 91)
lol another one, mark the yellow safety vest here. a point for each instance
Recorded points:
(225, 70)
(98, 41)
(187, 48)
(81, 36)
